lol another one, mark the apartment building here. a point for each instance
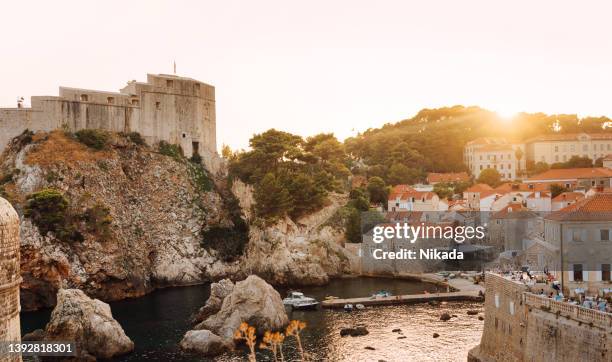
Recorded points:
(583, 232)
(494, 153)
(555, 148)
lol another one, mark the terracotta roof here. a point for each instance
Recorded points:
(608, 157)
(568, 196)
(447, 177)
(595, 208)
(514, 211)
(397, 190)
(493, 148)
(571, 174)
(514, 187)
(569, 137)
(542, 195)
(418, 195)
(479, 188)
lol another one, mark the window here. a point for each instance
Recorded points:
(509, 166)
(577, 272)
(501, 167)
(110, 100)
(604, 234)
(195, 146)
(134, 101)
(197, 87)
(481, 167)
(564, 158)
(605, 272)
(556, 148)
(573, 148)
(556, 158)
(511, 307)
(496, 302)
(169, 83)
(576, 235)
(585, 147)
(84, 98)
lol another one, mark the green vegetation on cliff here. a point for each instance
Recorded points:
(292, 176)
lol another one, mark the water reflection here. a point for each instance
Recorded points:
(158, 321)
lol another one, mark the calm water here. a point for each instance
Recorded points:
(158, 321)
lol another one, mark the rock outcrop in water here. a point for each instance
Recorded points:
(218, 292)
(89, 323)
(253, 301)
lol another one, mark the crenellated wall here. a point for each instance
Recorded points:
(521, 326)
(9, 277)
(167, 108)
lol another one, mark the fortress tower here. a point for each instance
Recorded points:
(167, 108)
(9, 277)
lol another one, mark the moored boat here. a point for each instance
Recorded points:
(298, 301)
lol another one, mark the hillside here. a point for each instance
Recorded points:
(118, 219)
(433, 140)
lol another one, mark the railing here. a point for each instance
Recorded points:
(577, 312)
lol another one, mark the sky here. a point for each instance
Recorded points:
(308, 67)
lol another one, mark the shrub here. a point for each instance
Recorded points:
(136, 138)
(93, 138)
(196, 158)
(200, 177)
(48, 210)
(168, 149)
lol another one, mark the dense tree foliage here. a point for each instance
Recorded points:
(490, 177)
(433, 140)
(292, 176)
(574, 162)
(556, 190)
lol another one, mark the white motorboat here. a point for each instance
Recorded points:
(297, 300)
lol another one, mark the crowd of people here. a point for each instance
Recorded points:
(553, 290)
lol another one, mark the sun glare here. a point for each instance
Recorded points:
(506, 115)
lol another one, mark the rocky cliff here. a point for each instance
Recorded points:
(132, 220)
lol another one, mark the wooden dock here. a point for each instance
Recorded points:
(403, 299)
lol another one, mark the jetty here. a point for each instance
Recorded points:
(403, 299)
(459, 289)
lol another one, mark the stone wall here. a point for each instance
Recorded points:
(521, 326)
(167, 108)
(9, 276)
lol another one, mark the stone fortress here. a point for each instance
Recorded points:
(167, 108)
(10, 278)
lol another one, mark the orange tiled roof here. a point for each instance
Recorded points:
(543, 195)
(608, 157)
(568, 196)
(488, 141)
(514, 211)
(479, 188)
(447, 177)
(571, 174)
(595, 208)
(569, 137)
(514, 187)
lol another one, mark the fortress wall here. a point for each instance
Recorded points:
(539, 329)
(170, 108)
(13, 121)
(9, 276)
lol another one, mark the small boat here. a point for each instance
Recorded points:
(297, 301)
(381, 294)
(348, 307)
(359, 306)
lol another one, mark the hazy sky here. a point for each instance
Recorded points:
(320, 66)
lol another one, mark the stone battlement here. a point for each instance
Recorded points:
(167, 108)
(522, 326)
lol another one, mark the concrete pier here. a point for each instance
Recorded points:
(403, 299)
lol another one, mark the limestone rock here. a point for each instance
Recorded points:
(445, 317)
(204, 342)
(89, 323)
(218, 292)
(253, 301)
(354, 332)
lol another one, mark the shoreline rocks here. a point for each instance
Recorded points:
(88, 322)
(251, 300)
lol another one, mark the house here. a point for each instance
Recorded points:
(565, 199)
(539, 201)
(553, 148)
(539, 255)
(509, 226)
(575, 178)
(405, 198)
(607, 161)
(583, 233)
(494, 153)
(434, 178)
(475, 193)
